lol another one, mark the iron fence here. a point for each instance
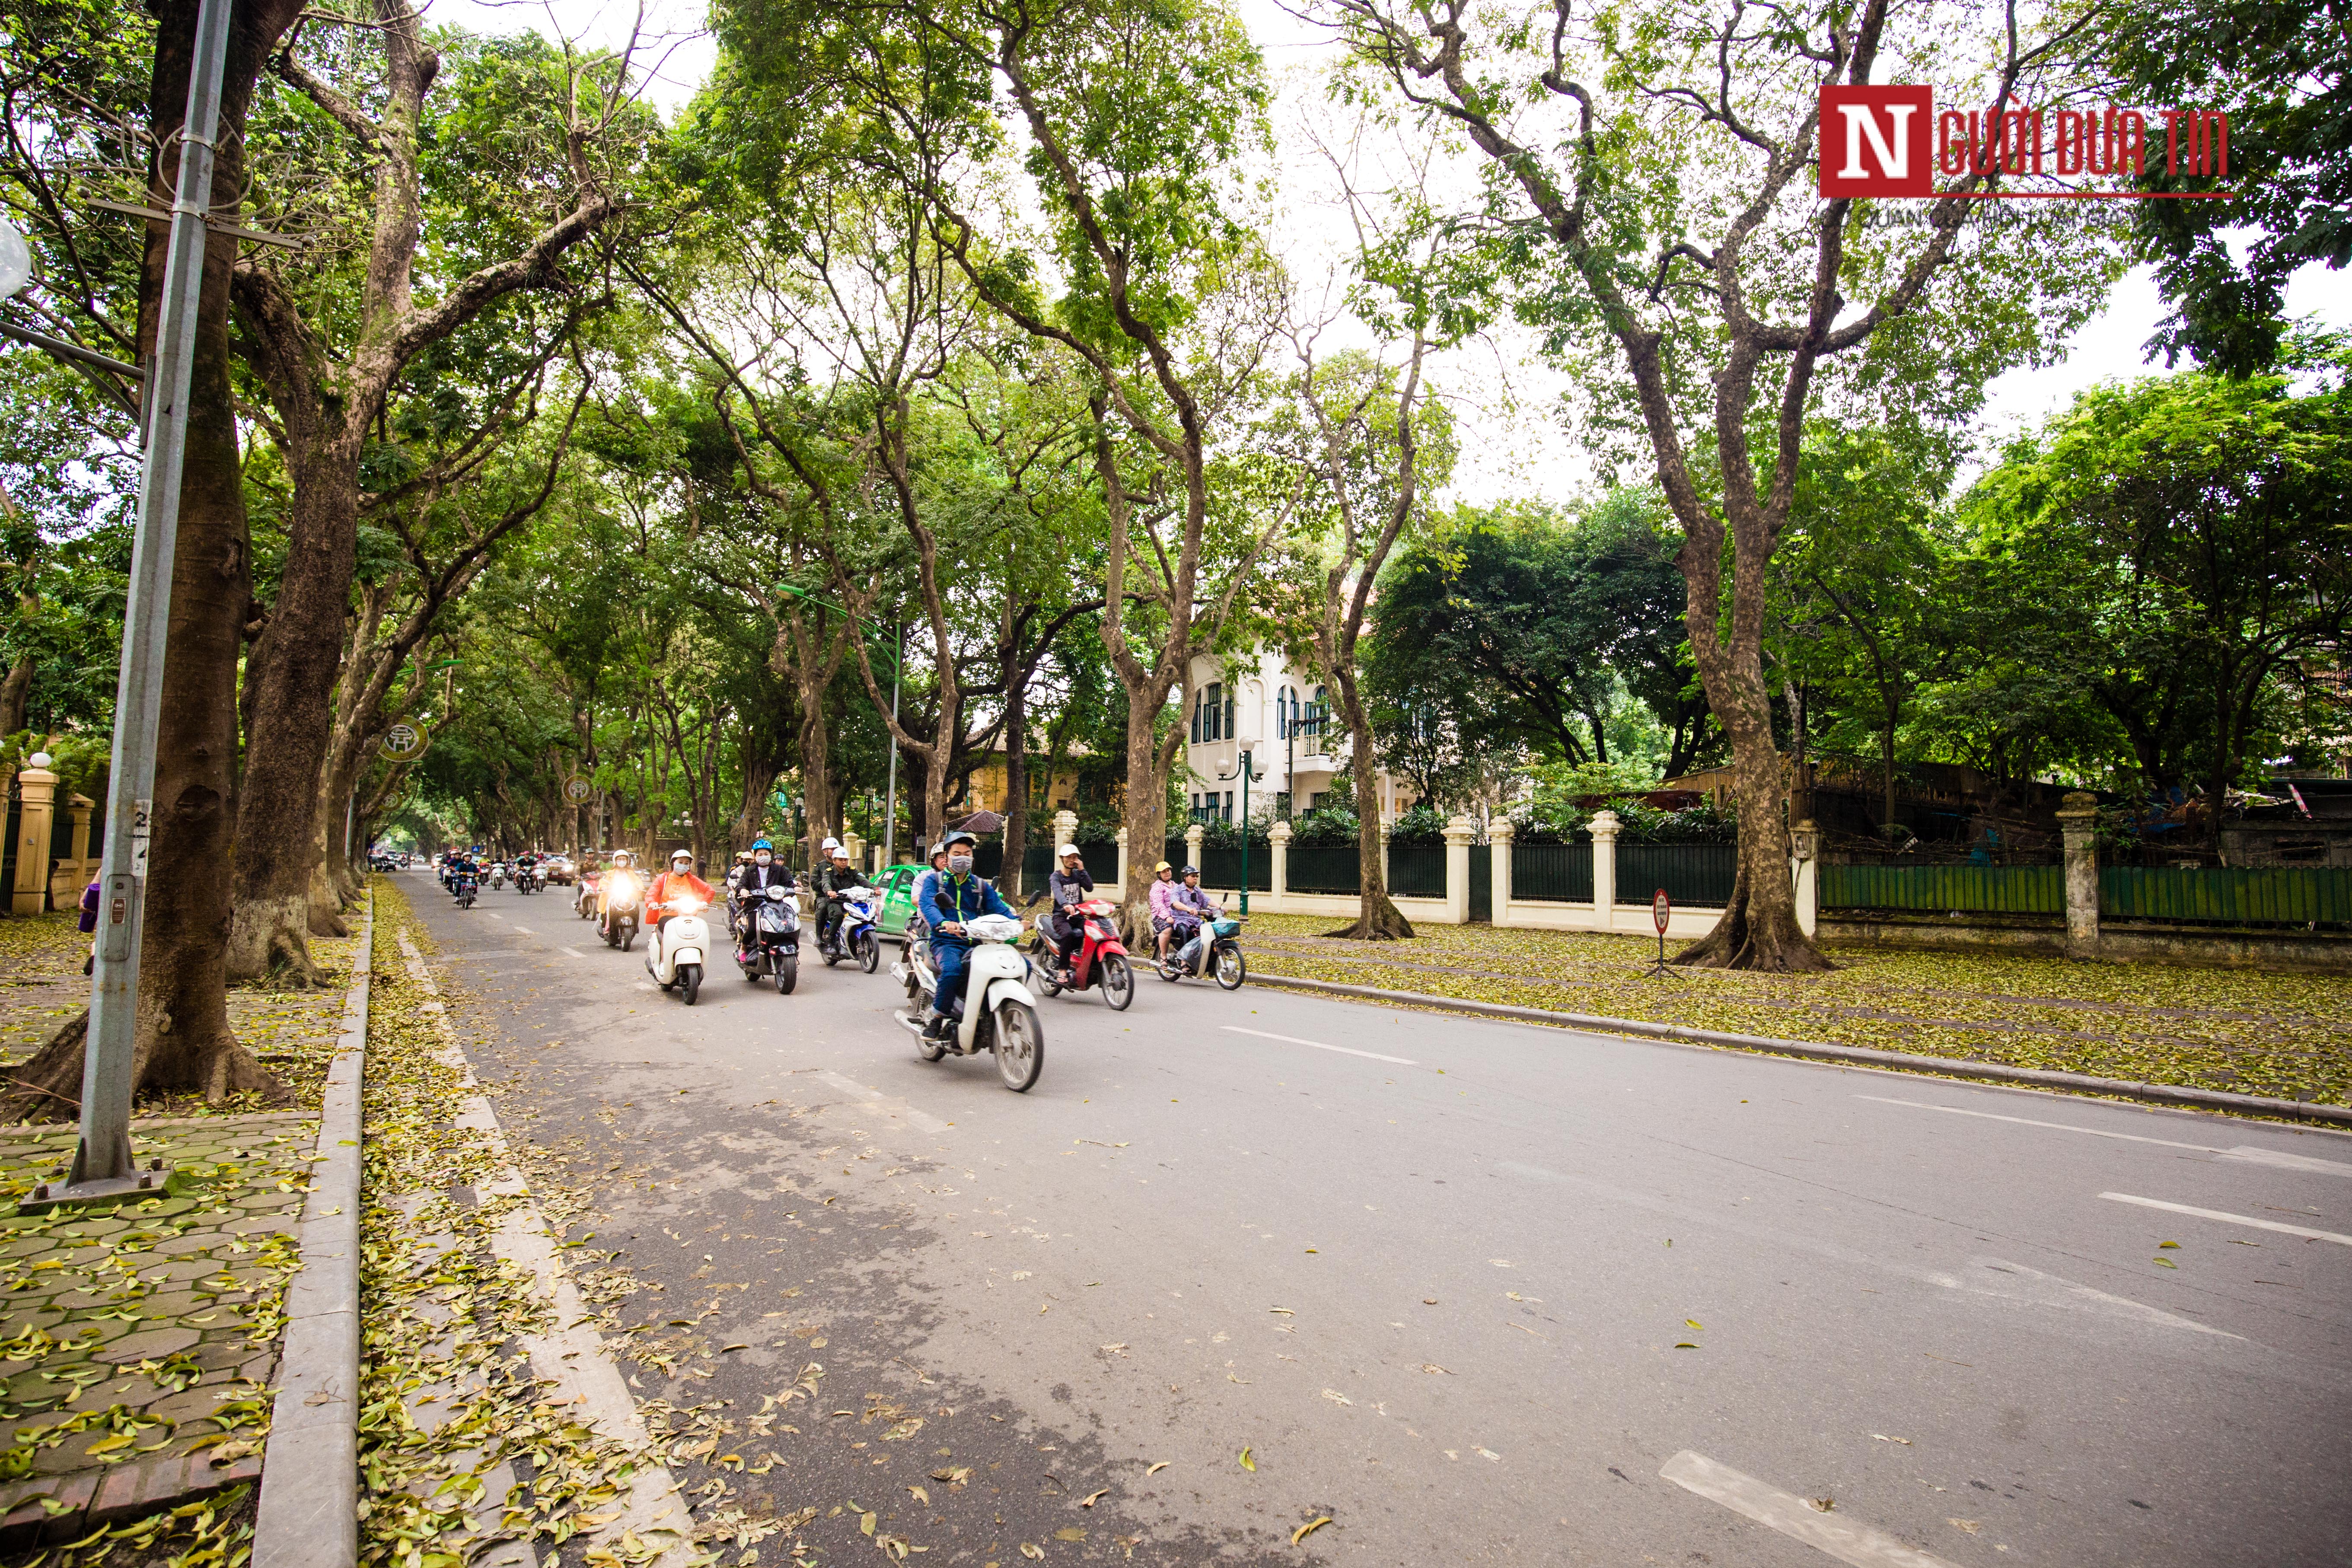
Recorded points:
(1220, 866)
(1417, 870)
(1325, 868)
(1556, 872)
(2258, 895)
(1692, 874)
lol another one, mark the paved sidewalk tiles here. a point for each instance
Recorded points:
(137, 1343)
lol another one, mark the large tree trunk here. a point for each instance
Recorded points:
(1146, 808)
(183, 1041)
(295, 665)
(1759, 929)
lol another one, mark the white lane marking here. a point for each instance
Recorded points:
(2244, 1153)
(572, 951)
(2015, 1282)
(644, 984)
(494, 915)
(1848, 1539)
(1343, 1050)
(882, 1102)
(2303, 1231)
(526, 931)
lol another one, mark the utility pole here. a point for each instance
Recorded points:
(890, 795)
(102, 1163)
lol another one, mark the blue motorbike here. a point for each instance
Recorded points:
(857, 936)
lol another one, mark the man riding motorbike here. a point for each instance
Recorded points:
(950, 898)
(1070, 885)
(833, 884)
(759, 871)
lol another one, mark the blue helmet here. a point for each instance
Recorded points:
(762, 844)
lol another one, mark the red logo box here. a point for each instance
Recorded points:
(1874, 141)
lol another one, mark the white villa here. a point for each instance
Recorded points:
(1271, 712)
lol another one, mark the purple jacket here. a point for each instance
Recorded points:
(89, 906)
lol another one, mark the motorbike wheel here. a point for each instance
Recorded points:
(869, 952)
(628, 939)
(1168, 970)
(788, 973)
(689, 979)
(1117, 981)
(1232, 968)
(1020, 1046)
(930, 1051)
(1043, 967)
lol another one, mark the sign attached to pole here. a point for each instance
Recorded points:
(578, 790)
(404, 742)
(1662, 909)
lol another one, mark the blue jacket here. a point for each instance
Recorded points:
(946, 898)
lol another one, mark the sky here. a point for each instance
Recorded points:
(1509, 447)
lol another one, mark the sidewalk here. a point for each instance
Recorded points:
(139, 1342)
(2287, 1036)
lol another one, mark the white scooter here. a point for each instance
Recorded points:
(1000, 1012)
(674, 948)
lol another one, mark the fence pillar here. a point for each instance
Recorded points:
(856, 848)
(2077, 817)
(1499, 834)
(36, 819)
(1459, 832)
(1387, 880)
(1123, 860)
(1066, 831)
(1277, 839)
(1604, 869)
(1804, 874)
(1193, 836)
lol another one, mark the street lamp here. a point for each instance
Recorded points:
(1242, 770)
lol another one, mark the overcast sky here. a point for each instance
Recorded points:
(1523, 453)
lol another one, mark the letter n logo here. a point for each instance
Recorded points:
(1874, 141)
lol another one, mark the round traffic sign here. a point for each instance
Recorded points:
(1660, 908)
(577, 791)
(404, 742)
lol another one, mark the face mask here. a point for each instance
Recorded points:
(761, 859)
(959, 864)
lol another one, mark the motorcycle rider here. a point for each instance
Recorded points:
(621, 864)
(919, 925)
(679, 881)
(833, 884)
(950, 898)
(1163, 921)
(1189, 908)
(1070, 885)
(758, 871)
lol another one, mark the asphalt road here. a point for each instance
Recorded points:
(1468, 1288)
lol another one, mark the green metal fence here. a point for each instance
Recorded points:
(1553, 871)
(1988, 889)
(1220, 866)
(1323, 869)
(2224, 896)
(1694, 874)
(1416, 870)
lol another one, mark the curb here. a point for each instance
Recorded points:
(309, 1515)
(2334, 1116)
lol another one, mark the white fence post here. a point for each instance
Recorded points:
(1122, 860)
(1277, 839)
(1459, 832)
(1604, 869)
(1499, 835)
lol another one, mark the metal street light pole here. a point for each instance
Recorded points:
(103, 1161)
(1242, 765)
(890, 795)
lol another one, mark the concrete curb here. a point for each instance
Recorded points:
(310, 1474)
(2336, 1116)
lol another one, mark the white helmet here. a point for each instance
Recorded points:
(686, 855)
(830, 845)
(1066, 851)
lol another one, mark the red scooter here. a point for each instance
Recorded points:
(1100, 962)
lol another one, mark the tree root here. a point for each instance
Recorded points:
(1381, 920)
(48, 1087)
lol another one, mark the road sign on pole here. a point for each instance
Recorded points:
(1662, 909)
(578, 790)
(102, 1163)
(404, 742)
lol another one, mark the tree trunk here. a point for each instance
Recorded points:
(1376, 917)
(184, 1042)
(1016, 786)
(1759, 929)
(295, 664)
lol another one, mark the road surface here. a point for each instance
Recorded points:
(1478, 1293)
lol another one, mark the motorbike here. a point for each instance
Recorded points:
(527, 879)
(855, 935)
(996, 1012)
(617, 919)
(584, 896)
(1217, 946)
(771, 942)
(497, 876)
(461, 888)
(1100, 962)
(674, 952)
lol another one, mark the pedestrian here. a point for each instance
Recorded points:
(90, 925)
